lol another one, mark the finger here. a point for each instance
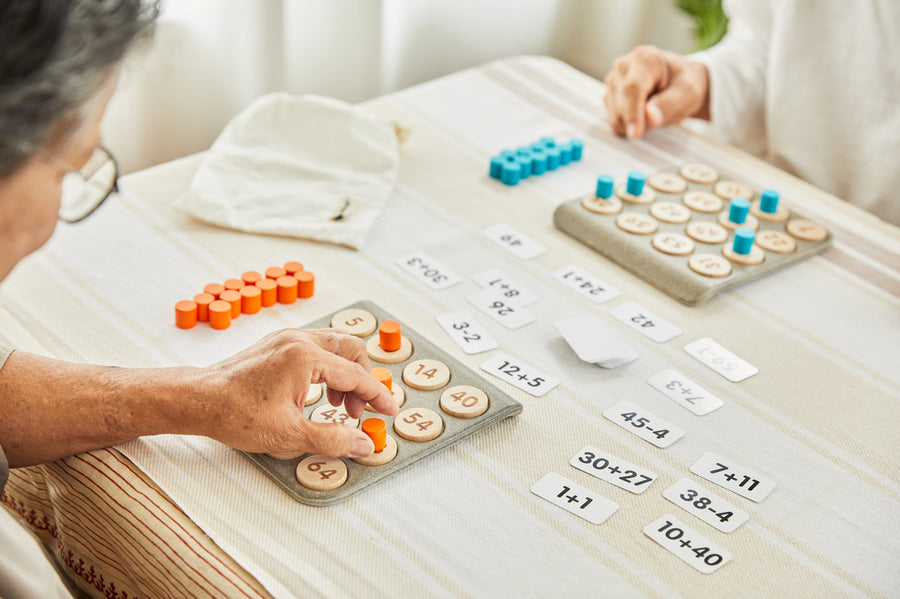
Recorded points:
(341, 375)
(343, 344)
(645, 73)
(336, 440)
(673, 104)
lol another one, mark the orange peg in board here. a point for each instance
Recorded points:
(389, 337)
(292, 268)
(287, 289)
(203, 300)
(234, 300)
(251, 299)
(220, 314)
(251, 277)
(273, 272)
(269, 289)
(384, 377)
(185, 314)
(306, 283)
(377, 431)
(214, 289)
(234, 284)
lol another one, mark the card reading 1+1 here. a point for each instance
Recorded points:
(684, 392)
(645, 322)
(467, 333)
(517, 373)
(518, 244)
(428, 270)
(720, 359)
(574, 498)
(643, 424)
(586, 284)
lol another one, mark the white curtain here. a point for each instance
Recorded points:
(210, 58)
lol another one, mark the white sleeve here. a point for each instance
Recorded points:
(737, 68)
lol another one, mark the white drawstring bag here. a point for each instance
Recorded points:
(302, 166)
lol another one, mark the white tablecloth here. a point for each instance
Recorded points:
(821, 417)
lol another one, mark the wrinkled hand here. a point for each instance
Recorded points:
(650, 88)
(254, 400)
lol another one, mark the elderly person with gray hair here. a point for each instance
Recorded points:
(59, 63)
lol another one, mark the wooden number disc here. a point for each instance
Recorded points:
(464, 401)
(321, 473)
(418, 424)
(360, 323)
(426, 375)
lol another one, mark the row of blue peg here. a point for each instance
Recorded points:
(738, 208)
(510, 167)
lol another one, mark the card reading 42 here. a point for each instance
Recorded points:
(648, 427)
(613, 470)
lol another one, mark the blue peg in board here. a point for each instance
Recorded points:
(565, 153)
(743, 241)
(635, 184)
(738, 209)
(577, 149)
(605, 185)
(539, 161)
(547, 142)
(511, 169)
(768, 201)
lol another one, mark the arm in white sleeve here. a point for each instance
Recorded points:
(738, 67)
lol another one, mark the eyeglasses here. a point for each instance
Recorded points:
(85, 189)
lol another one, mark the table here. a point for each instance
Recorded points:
(185, 516)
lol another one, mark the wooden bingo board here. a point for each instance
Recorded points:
(689, 231)
(443, 401)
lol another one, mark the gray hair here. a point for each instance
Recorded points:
(55, 55)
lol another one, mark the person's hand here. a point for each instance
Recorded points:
(254, 400)
(650, 88)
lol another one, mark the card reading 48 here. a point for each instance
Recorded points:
(613, 470)
(643, 424)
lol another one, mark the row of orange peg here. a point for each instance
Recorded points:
(219, 304)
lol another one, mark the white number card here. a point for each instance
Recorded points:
(720, 359)
(734, 477)
(518, 244)
(713, 510)
(685, 392)
(574, 498)
(616, 471)
(643, 424)
(517, 373)
(509, 288)
(645, 322)
(428, 270)
(467, 333)
(507, 313)
(687, 544)
(586, 284)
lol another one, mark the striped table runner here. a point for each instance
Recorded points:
(185, 516)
